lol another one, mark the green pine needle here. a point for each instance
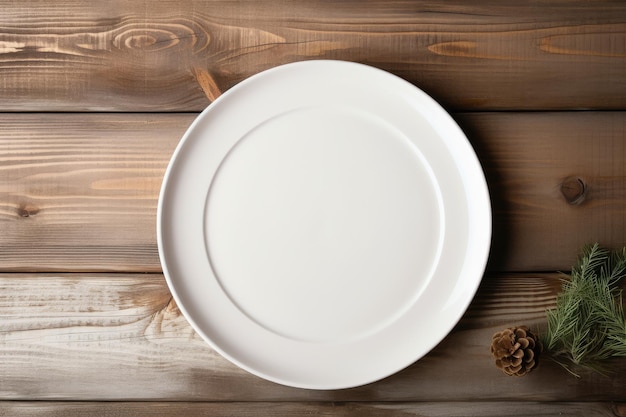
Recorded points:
(588, 324)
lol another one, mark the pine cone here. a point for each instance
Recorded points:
(516, 350)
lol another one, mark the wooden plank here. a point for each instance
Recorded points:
(78, 192)
(178, 55)
(295, 409)
(533, 163)
(120, 337)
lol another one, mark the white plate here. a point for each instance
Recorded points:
(324, 224)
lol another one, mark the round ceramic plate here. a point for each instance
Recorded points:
(324, 224)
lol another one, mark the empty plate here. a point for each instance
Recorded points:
(324, 224)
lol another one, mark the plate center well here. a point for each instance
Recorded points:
(323, 224)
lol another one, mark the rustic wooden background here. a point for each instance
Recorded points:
(95, 95)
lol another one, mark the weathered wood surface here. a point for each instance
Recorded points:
(296, 409)
(120, 337)
(86, 319)
(78, 55)
(78, 192)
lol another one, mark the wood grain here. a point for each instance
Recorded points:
(121, 337)
(78, 192)
(87, 323)
(176, 55)
(296, 409)
(528, 159)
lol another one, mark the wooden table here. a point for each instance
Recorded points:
(95, 95)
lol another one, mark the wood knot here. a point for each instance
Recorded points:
(574, 190)
(27, 211)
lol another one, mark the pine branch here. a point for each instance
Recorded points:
(588, 324)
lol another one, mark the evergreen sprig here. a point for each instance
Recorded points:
(588, 324)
